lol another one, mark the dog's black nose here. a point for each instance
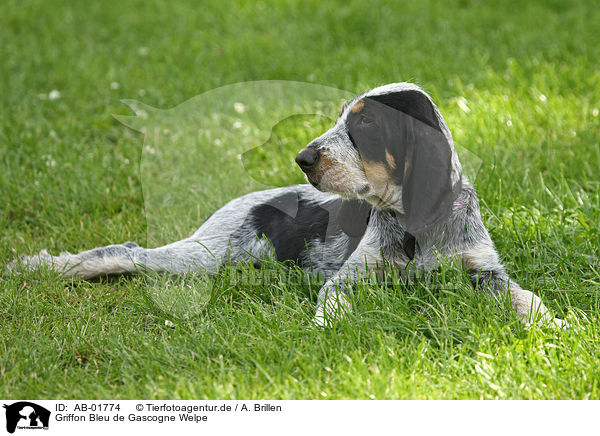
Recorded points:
(307, 158)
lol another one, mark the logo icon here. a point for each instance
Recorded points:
(26, 415)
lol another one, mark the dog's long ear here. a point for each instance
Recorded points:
(353, 217)
(423, 143)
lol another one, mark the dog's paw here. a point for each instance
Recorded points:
(573, 322)
(568, 324)
(332, 310)
(30, 263)
(319, 319)
(560, 324)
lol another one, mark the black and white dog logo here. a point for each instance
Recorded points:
(26, 415)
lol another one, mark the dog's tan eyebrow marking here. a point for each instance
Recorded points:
(390, 159)
(358, 106)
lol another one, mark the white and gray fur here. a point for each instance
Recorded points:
(350, 224)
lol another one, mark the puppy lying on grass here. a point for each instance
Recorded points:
(387, 186)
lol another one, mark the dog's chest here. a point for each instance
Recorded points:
(399, 251)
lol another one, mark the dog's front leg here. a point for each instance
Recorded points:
(334, 296)
(333, 302)
(487, 273)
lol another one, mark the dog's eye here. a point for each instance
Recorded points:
(365, 120)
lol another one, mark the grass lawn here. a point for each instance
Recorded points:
(518, 84)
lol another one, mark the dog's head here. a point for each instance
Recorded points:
(392, 148)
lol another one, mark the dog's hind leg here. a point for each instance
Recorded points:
(112, 259)
(179, 257)
(226, 235)
(206, 250)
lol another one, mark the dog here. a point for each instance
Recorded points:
(386, 188)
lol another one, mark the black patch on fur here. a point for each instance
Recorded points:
(413, 103)
(287, 233)
(290, 221)
(112, 250)
(409, 244)
(353, 217)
